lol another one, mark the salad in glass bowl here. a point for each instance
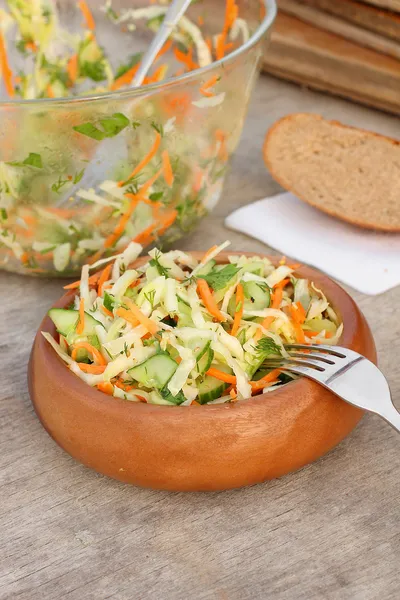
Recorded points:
(179, 329)
(89, 165)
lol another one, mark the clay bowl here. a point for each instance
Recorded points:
(213, 447)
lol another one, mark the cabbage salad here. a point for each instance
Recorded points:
(181, 331)
(156, 175)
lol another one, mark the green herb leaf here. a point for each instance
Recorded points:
(108, 301)
(3, 213)
(158, 127)
(267, 346)
(111, 127)
(56, 187)
(135, 124)
(114, 124)
(32, 160)
(217, 280)
(93, 70)
(150, 298)
(155, 262)
(78, 176)
(156, 196)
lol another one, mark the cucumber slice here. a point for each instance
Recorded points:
(207, 268)
(256, 267)
(257, 297)
(108, 301)
(155, 372)
(211, 388)
(66, 321)
(204, 362)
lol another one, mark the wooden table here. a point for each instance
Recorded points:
(330, 531)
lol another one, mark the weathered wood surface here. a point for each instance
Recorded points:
(330, 531)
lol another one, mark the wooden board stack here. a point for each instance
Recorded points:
(345, 47)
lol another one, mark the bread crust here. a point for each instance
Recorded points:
(281, 180)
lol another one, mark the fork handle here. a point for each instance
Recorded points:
(391, 415)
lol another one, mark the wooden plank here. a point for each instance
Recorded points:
(328, 62)
(384, 22)
(329, 532)
(389, 4)
(353, 33)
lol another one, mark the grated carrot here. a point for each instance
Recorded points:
(81, 322)
(97, 356)
(205, 88)
(149, 324)
(276, 302)
(126, 78)
(106, 387)
(106, 311)
(158, 75)
(239, 309)
(125, 314)
(31, 46)
(94, 369)
(5, 68)
(270, 379)
(164, 49)
(49, 91)
(85, 10)
(213, 372)
(208, 300)
(186, 58)
(145, 160)
(105, 274)
(208, 253)
(300, 337)
(92, 281)
(72, 68)
(167, 169)
(167, 220)
(222, 151)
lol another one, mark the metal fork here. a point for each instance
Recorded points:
(346, 373)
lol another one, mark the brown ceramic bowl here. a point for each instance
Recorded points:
(213, 447)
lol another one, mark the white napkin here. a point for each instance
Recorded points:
(365, 260)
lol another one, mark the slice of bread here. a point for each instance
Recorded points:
(346, 172)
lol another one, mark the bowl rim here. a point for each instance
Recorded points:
(270, 14)
(342, 303)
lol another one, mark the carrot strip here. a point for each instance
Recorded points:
(300, 337)
(268, 379)
(208, 84)
(239, 309)
(97, 356)
(221, 375)
(49, 91)
(164, 49)
(207, 254)
(81, 321)
(31, 46)
(94, 369)
(124, 386)
(125, 314)
(126, 78)
(92, 280)
(158, 74)
(150, 325)
(167, 220)
(106, 311)
(299, 312)
(105, 274)
(106, 387)
(167, 169)
(146, 236)
(208, 300)
(5, 68)
(276, 302)
(85, 10)
(186, 58)
(72, 68)
(145, 160)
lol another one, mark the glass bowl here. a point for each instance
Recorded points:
(83, 176)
